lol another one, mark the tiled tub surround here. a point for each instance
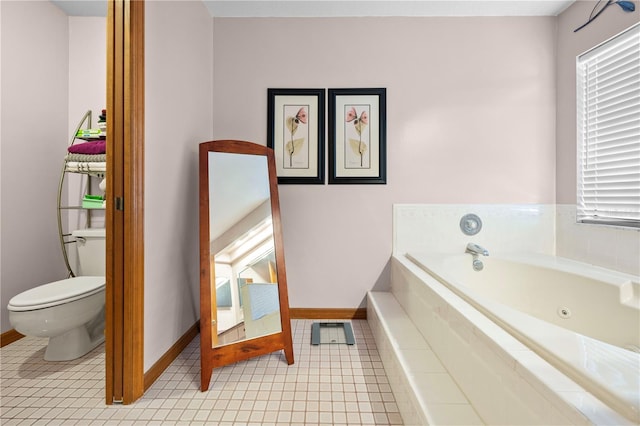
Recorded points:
(499, 380)
(506, 228)
(611, 247)
(425, 393)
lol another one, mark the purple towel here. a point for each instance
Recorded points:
(97, 147)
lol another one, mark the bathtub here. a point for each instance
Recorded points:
(591, 301)
(581, 319)
(563, 336)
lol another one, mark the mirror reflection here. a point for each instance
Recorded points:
(244, 280)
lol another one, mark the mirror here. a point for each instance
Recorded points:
(242, 249)
(244, 309)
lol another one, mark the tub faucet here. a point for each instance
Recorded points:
(476, 250)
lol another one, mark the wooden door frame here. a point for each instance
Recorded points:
(124, 345)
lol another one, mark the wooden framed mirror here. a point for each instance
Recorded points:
(244, 307)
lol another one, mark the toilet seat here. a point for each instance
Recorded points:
(56, 293)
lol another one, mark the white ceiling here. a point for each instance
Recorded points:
(82, 7)
(333, 8)
(336, 8)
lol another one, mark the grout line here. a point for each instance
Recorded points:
(328, 384)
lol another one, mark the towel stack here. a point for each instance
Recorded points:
(102, 122)
(98, 133)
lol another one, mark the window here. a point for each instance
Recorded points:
(608, 105)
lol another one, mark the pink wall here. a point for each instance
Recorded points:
(49, 80)
(570, 45)
(87, 68)
(470, 119)
(34, 86)
(178, 99)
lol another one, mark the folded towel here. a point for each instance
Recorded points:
(84, 167)
(87, 158)
(97, 147)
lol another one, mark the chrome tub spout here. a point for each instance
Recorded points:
(475, 249)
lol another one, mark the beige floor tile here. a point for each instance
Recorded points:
(328, 384)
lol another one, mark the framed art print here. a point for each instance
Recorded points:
(357, 136)
(295, 131)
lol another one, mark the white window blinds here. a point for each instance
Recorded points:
(608, 96)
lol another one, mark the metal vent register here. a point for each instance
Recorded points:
(332, 333)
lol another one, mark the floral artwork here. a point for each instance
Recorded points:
(358, 146)
(295, 133)
(293, 123)
(357, 136)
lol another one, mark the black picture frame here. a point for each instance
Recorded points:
(358, 136)
(291, 113)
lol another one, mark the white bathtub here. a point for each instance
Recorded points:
(585, 321)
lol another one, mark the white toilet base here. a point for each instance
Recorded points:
(71, 345)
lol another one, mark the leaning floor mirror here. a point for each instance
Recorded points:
(244, 308)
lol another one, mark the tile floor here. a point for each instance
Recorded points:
(327, 385)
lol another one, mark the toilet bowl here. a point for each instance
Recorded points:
(70, 312)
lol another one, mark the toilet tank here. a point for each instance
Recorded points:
(91, 246)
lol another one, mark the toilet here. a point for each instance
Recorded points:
(70, 312)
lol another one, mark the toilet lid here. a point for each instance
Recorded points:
(56, 293)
